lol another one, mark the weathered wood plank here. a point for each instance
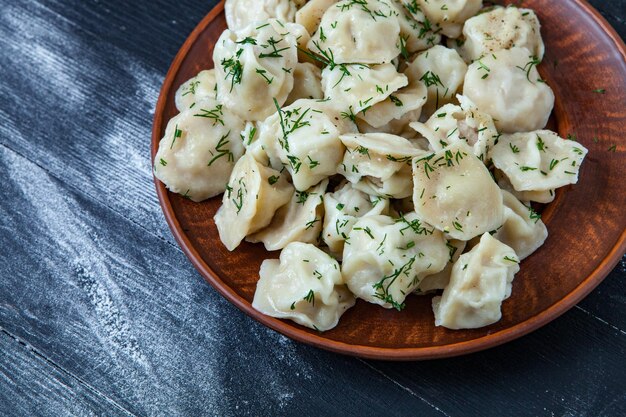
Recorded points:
(614, 12)
(569, 368)
(32, 385)
(79, 84)
(125, 312)
(607, 303)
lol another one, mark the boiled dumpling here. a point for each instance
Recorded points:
(442, 71)
(416, 31)
(507, 86)
(538, 161)
(203, 85)
(523, 229)
(455, 193)
(241, 13)
(502, 28)
(310, 15)
(250, 138)
(385, 259)
(542, 196)
(450, 14)
(379, 164)
(440, 280)
(342, 209)
(298, 221)
(356, 88)
(199, 150)
(364, 31)
(400, 108)
(307, 83)
(442, 128)
(254, 67)
(304, 138)
(452, 123)
(252, 196)
(481, 279)
(305, 286)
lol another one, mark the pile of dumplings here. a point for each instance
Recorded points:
(388, 148)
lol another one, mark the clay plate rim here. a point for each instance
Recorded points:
(418, 353)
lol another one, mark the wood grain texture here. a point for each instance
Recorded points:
(101, 312)
(543, 289)
(43, 387)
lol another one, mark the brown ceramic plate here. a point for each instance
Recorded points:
(587, 222)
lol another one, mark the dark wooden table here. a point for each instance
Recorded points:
(102, 314)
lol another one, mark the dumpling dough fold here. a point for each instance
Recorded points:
(507, 86)
(481, 280)
(304, 139)
(364, 31)
(501, 28)
(298, 221)
(385, 259)
(254, 66)
(454, 192)
(305, 286)
(523, 229)
(199, 150)
(538, 161)
(241, 13)
(252, 196)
